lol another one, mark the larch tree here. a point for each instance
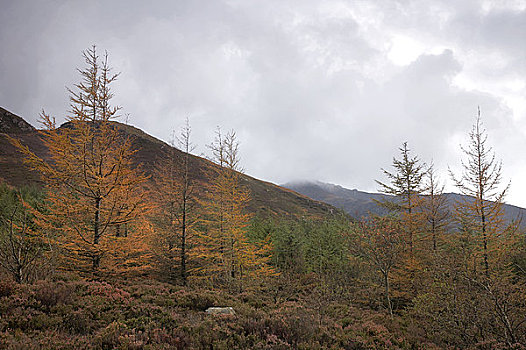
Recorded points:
(434, 207)
(380, 242)
(175, 194)
(21, 244)
(407, 185)
(227, 254)
(481, 180)
(92, 186)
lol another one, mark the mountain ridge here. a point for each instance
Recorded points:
(360, 204)
(10, 123)
(296, 198)
(267, 198)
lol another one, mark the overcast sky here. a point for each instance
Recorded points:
(322, 90)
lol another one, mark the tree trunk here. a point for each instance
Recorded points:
(183, 242)
(485, 239)
(96, 234)
(18, 275)
(433, 230)
(387, 296)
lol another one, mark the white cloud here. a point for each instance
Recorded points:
(404, 50)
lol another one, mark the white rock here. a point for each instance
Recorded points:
(220, 311)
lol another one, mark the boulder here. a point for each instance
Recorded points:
(220, 311)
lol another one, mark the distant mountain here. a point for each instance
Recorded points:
(267, 198)
(355, 203)
(361, 204)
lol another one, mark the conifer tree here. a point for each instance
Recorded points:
(175, 194)
(226, 252)
(406, 184)
(480, 180)
(21, 244)
(434, 207)
(93, 188)
(381, 244)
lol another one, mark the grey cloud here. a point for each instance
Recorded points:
(307, 85)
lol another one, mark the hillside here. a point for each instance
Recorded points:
(12, 169)
(361, 204)
(267, 198)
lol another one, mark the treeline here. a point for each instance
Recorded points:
(104, 215)
(451, 278)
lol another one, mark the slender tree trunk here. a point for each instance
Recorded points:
(409, 212)
(183, 241)
(433, 230)
(184, 210)
(96, 233)
(232, 260)
(510, 334)
(485, 239)
(19, 274)
(387, 295)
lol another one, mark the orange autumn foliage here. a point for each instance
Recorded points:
(94, 192)
(225, 251)
(481, 214)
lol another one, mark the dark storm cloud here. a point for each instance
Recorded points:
(315, 90)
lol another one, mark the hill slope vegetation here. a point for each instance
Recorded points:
(267, 198)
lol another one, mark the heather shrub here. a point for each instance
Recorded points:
(110, 337)
(49, 294)
(78, 322)
(195, 300)
(253, 299)
(173, 338)
(44, 321)
(7, 286)
(371, 335)
(107, 292)
(100, 315)
(292, 323)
